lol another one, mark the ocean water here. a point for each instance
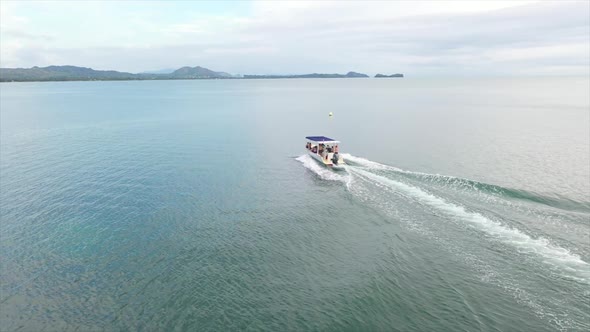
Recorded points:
(191, 206)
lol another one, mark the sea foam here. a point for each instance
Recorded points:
(323, 172)
(549, 252)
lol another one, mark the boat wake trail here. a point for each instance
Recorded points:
(466, 184)
(391, 180)
(517, 241)
(525, 243)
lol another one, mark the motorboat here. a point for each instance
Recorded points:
(325, 150)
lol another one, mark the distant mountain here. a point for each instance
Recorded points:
(61, 73)
(385, 76)
(350, 74)
(197, 72)
(73, 73)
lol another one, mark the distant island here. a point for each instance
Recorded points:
(385, 76)
(350, 74)
(74, 73)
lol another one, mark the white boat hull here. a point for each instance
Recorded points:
(328, 162)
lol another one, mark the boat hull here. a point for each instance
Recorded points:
(328, 162)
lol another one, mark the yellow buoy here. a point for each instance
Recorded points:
(330, 114)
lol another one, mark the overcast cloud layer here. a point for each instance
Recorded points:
(416, 38)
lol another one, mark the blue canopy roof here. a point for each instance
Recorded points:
(320, 139)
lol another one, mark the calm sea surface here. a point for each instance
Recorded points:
(190, 205)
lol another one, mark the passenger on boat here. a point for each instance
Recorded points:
(335, 148)
(314, 149)
(335, 158)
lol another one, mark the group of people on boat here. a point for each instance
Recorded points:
(324, 150)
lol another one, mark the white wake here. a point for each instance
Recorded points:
(323, 172)
(551, 253)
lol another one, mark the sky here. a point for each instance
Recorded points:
(417, 38)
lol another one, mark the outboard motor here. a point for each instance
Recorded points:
(335, 158)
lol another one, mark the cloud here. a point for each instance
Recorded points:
(423, 38)
(21, 34)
